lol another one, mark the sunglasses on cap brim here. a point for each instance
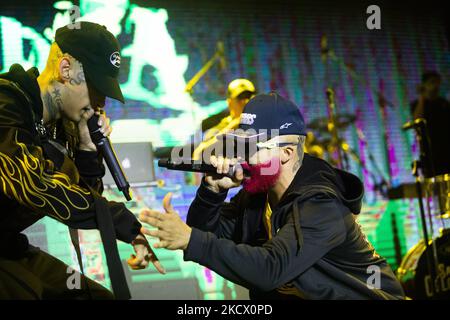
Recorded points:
(245, 146)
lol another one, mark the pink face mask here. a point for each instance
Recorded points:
(262, 176)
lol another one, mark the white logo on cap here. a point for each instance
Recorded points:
(115, 59)
(248, 118)
(285, 126)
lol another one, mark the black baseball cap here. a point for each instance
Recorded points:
(98, 51)
(267, 112)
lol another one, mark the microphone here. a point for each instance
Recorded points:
(414, 124)
(104, 147)
(191, 166)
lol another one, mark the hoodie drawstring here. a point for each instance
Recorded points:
(298, 232)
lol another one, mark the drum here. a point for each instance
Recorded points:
(414, 273)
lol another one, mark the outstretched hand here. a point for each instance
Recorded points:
(172, 232)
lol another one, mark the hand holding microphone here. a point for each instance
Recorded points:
(222, 173)
(105, 148)
(86, 143)
(218, 182)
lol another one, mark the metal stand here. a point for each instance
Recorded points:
(328, 53)
(332, 127)
(218, 56)
(416, 164)
(419, 165)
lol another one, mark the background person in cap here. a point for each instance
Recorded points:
(239, 92)
(435, 109)
(50, 167)
(291, 231)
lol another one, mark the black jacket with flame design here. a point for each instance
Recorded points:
(37, 179)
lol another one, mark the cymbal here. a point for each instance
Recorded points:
(325, 141)
(445, 215)
(342, 121)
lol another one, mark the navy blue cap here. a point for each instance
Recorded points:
(272, 111)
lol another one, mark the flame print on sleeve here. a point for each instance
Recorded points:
(23, 177)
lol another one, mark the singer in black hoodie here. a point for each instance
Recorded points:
(50, 167)
(291, 231)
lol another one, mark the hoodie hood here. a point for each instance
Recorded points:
(27, 81)
(316, 176)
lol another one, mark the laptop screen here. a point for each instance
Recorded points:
(136, 159)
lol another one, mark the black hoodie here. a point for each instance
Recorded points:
(317, 247)
(37, 179)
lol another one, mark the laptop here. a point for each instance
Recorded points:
(136, 159)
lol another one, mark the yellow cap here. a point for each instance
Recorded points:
(237, 86)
